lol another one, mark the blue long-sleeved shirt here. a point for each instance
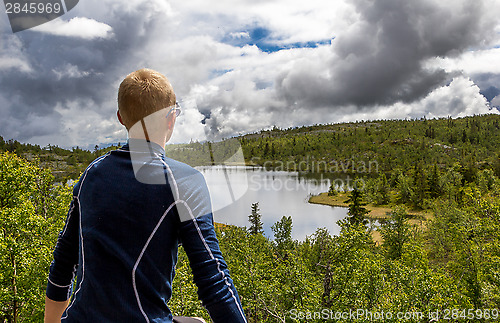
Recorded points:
(130, 209)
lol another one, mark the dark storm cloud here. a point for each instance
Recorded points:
(380, 59)
(489, 84)
(68, 69)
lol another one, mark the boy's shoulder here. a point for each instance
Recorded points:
(180, 169)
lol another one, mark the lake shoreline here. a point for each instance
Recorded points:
(418, 217)
(376, 211)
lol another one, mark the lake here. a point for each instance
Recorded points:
(234, 188)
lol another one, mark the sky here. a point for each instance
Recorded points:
(243, 65)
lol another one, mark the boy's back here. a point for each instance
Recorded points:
(131, 209)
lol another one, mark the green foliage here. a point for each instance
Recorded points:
(332, 190)
(31, 213)
(389, 143)
(383, 190)
(185, 298)
(465, 241)
(450, 183)
(357, 212)
(348, 269)
(255, 220)
(449, 166)
(377, 190)
(64, 164)
(404, 188)
(450, 263)
(434, 186)
(420, 188)
(283, 235)
(269, 285)
(496, 165)
(396, 232)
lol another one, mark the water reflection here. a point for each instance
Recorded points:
(234, 189)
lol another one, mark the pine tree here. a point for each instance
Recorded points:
(266, 150)
(383, 190)
(420, 186)
(357, 212)
(434, 188)
(496, 165)
(332, 191)
(255, 220)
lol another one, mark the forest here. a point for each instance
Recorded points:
(444, 267)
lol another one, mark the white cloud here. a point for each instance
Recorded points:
(12, 56)
(289, 21)
(243, 88)
(458, 99)
(239, 35)
(471, 62)
(70, 71)
(83, 126)
(79, 27)
(188, 125)
(237, 85)
(14, 62)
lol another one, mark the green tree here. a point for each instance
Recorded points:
(283, 235)
(396, 232)
(404, 188)
(466, 241)
(185, 300)
(496, 165)
(434, 186)
(420, 187)
(332, 190)
(450, 182)
(357, 212)
(485, 180)
(255, 220)
(269, 286)
(383, 189)
(352, 272)
(31, 213)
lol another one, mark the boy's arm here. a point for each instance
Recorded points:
(54, 310)
(63, 267)
(210, 273)
(197, 234)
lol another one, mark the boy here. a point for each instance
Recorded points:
(130, 209)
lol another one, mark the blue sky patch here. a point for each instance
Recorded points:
(219, 72)
(262, 38)
(490, 93)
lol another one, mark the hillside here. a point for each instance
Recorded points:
(64, 164)
(384, 145)
(357, 147)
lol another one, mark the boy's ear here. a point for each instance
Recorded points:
(119, 117)
(170, 122)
